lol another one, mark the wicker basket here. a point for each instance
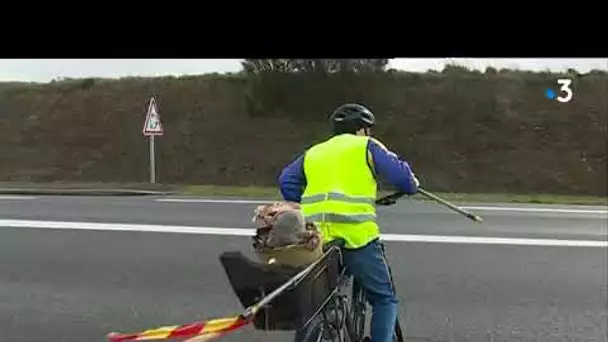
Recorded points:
(251, 281)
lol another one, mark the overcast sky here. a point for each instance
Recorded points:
(44, 70)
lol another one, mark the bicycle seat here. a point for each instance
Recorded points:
(337, 242)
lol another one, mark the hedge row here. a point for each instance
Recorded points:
(461, 130)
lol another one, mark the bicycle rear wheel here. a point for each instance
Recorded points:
(318, 331)
(356, 318)
(327, 325)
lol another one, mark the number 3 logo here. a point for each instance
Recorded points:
(565, 88)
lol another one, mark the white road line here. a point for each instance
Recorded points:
(547, 210)
(205, 200)
(250, 232)
(480, 208)
(494, 240)
(127, 227)
(9, 197)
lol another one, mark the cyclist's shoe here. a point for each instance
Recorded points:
(367, 339)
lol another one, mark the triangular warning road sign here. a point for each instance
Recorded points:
(152, 125)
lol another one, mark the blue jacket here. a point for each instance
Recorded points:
(386, 165)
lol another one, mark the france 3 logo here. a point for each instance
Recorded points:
(565, 91)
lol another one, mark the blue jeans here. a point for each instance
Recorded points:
(370, 270)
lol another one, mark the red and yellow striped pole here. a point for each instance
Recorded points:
(215, 327)
(219, 326)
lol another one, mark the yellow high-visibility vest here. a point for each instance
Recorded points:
(341, 190)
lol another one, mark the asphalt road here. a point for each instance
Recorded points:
(77, 285)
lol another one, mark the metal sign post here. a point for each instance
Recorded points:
(152, 128)
(152, 161)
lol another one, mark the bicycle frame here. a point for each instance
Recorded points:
(336, 317)
(354, 315)
(359, 308)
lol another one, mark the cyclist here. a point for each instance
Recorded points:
(335, 181)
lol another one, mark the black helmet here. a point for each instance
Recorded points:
(354, 116)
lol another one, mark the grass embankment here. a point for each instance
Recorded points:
(256, 192)
(272, 193)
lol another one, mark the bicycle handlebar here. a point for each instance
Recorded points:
(390, 199)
